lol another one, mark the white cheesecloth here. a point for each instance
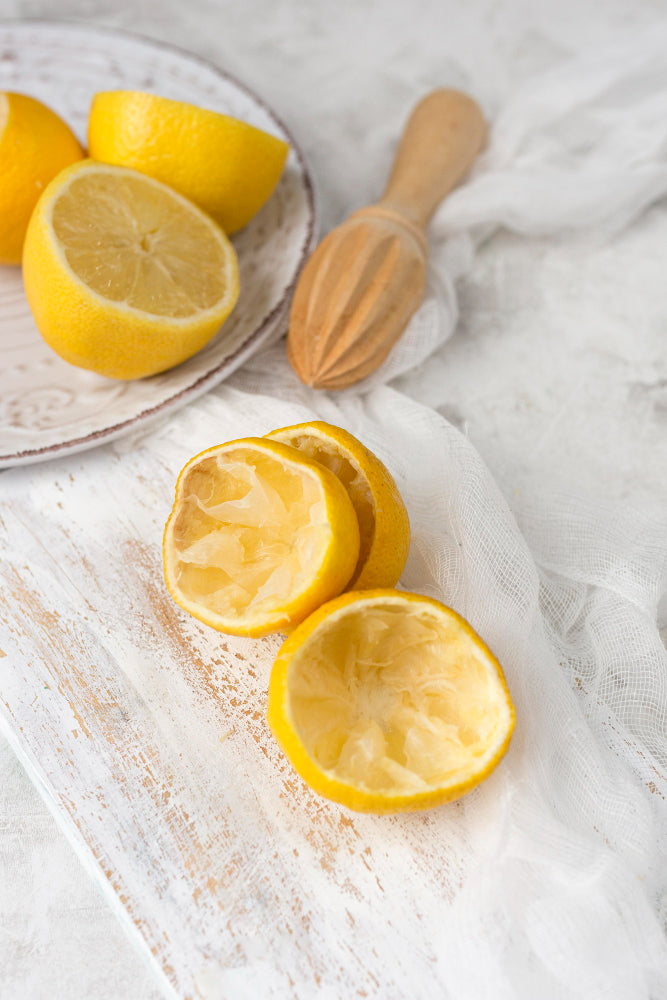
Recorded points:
(564, 893)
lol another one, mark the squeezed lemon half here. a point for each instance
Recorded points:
(383, 520)
(258, 537)
(387, 701)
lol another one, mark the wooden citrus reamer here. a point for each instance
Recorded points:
(366, 278)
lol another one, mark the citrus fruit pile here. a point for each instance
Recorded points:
(127, 264)
(265, 530)
(382, 700)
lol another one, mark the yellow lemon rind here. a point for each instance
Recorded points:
(226, 166)
(390, 544)
(35, 145)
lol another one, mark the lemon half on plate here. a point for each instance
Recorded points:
(387, 701)
(35, 145)
(226, 166)
(124, 276)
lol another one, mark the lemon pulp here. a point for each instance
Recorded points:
(247, 533)
(397, 701)
(131, 242)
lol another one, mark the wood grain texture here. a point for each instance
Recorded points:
(147, 730)
(442, 137)
(359, 289)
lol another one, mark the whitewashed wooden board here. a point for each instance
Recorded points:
(146, 731)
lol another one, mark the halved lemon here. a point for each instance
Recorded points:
(258, 537)
(224, 165)
(387, 701)
(383, 520)
(124, 276)
(35, 145)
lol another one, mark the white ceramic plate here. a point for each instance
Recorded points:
(49, 408)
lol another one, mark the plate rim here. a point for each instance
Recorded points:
(226, 367)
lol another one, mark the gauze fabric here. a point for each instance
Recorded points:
(559, 887)
(583, 148)
(564, 892)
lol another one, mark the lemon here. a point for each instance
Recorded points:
(225, 166)
(124, 276)
(386, 701)
(35, 144)
(258, 537)
(383, 520)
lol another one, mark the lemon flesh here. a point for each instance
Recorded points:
(256, 538)
(132, 243)
(245, 535)
(384, 527)
(389, 701)
(224, 165)
(124, 276)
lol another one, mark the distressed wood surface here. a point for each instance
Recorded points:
(147, 731)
